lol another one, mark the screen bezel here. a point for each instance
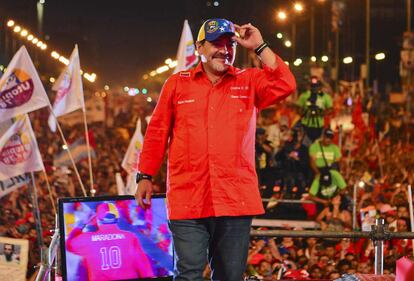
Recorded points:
(62, 242)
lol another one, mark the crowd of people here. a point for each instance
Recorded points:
(297, 157)
(367, 152)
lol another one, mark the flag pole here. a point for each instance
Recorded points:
(379, 158)
(410, 204)
(69, 153)
(92, 190)
(36, 212)
(50, 192)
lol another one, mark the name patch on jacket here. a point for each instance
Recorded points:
(239, 97)
(185, 74)
(185, 101)
(239, 88)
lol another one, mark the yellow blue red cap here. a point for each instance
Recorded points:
(214, 28)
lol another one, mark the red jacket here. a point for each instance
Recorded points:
(210, 134)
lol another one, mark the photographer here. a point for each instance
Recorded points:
(314, 106)
(324, 157)
(263, 157)
(293, 161)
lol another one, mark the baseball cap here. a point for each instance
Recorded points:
(107, 213)
(328, 133)
(260, 131)
(214, 28)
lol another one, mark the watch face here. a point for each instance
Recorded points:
(141, 176)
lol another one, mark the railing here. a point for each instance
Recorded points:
(295, 201)
(378, 234)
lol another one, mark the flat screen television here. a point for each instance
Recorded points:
(112, 238)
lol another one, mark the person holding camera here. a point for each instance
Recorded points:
(324, 157)
(293, 162)
(314, 106)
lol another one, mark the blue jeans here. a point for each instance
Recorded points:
(222, 241)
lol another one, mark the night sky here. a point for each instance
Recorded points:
(122, 40)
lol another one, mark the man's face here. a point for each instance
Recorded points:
(402, 225)
(403, 212)
(326, 140)
(330, 252)
(261, 138)
(217, 55)
(8, 251)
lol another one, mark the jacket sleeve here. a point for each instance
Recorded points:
(274, 85)
(158, 130)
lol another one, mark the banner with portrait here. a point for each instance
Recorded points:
(14, 256)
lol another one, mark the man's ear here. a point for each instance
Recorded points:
(199, 46)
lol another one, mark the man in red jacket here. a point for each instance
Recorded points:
(206, 117)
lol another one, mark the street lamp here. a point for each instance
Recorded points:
(298, 7)
(297, 62)
(380, 56)
(24, 33)
(347, 60)
(281, 15)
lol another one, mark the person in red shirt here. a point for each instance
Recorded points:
(206, 117)
(109, 253)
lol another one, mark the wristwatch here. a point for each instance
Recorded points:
(142, 176)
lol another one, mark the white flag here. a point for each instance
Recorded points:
(19, 152)
(21, 90)
(11, 184)
(68, 86)
(130, 162)
(131, 185)
(120, 186)
(186, 56)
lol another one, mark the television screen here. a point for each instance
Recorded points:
(112, 238)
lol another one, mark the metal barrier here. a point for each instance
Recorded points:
(49, 257)
(294, 201)
(378, 234)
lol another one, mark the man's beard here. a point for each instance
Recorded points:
(8, 257)
(218, 67)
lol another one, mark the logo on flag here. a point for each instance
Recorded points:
(21, 90)
(17, 90)
(69, 96)
(19, 152)
(130, 162)
(64, 88)
(186, 56)
(191, 58)
(17, 149)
